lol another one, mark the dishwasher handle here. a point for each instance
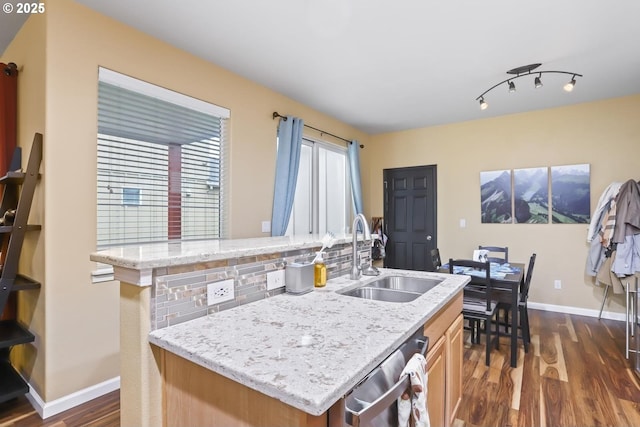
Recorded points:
(364, 416)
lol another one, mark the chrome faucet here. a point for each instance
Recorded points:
(356, 269)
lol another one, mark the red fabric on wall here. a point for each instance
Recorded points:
(8, 114)
(8, 141)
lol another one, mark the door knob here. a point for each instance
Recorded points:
(428, 237)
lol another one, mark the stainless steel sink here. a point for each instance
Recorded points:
(393, 288)
(403, 283)
(381, 294)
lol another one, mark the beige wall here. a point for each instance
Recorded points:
(81, 319)
(603, 134)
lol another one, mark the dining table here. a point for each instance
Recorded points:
(506, 281)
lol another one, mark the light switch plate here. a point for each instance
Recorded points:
(266, 226)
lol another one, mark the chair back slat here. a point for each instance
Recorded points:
(524, 291)
(497, 249)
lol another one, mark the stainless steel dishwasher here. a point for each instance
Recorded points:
(373, 401)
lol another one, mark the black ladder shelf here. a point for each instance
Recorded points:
(19, 188)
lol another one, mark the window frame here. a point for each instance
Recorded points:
(186, 106)
(316, 145)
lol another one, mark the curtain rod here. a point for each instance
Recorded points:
(276, 115)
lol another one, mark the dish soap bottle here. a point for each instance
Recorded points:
(319, 271)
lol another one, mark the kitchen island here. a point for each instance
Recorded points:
(304, 352)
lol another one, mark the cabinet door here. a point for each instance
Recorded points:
(436, 368)
(455, 352)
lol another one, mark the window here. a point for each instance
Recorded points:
(130, 196)
(160, 164)
(322, 201)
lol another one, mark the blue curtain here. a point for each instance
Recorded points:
(354, 167)
(287, 164)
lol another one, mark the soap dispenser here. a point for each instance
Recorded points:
(319, 271)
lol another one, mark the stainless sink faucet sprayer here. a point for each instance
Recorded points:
(356, 269)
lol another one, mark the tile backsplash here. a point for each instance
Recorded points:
(180, 295)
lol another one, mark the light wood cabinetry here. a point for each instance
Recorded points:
(444, 363)
(455, 350)
(197, 396)
(436, 369)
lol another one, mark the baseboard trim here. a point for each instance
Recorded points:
(48, 409)
(577, 310)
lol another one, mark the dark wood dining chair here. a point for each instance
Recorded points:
(522, 322)
(478, 308)
(504, 250)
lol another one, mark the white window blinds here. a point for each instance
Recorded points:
(160, 164)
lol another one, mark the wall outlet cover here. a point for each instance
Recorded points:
(218, 292)
(275, 279)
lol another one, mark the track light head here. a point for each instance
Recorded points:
(569, 86)
(512, 87)
(537, 82)
(483, 104)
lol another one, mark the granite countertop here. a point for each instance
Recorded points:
(154, 255)
(306, 350)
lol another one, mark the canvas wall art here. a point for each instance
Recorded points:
(495, 197)
(570, 194)
(531, 195)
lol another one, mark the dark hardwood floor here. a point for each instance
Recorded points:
(574, 374)
(101, 412)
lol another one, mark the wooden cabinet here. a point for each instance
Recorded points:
(444, 364)
(197, 396)
(436, 369)
(455, 353)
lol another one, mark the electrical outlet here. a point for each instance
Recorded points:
(218, 292)
(275, 279)
(557, 284)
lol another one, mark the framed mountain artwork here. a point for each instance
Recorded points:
(570, 194)
(531, 195)
(495, 197)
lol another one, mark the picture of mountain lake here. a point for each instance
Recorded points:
(495, 197)
(531, 195)
(570, 194)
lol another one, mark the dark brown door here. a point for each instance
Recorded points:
(410, 217)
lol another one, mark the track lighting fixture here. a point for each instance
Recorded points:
(526, 70)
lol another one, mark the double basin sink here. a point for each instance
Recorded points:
(393, 288)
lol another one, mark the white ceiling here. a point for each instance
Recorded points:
(392, 65)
